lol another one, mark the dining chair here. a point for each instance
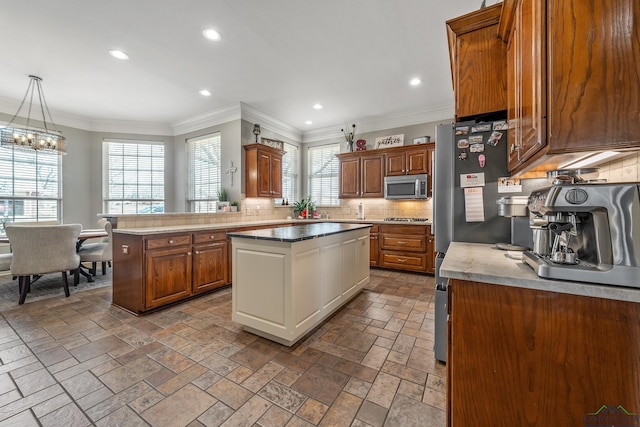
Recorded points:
(5, 261)
(43, 249)
(96, 252)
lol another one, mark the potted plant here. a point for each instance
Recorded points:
(223, 204)
(303, 208)
(234, 206)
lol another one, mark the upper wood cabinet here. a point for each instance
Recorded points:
(573, 73)
(361, 174)
(263, 171)
(408, 161)
(477, 63)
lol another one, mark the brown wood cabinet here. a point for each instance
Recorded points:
(477, 63)
(168, 270)
(523, 357)
(573, 72)
(263, 171)
(210, 261)
(404, 247)
(431, 253)
(374, 247)
(408, 161)
(361, 174)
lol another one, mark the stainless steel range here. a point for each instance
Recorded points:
(407, 219)
(586, 233)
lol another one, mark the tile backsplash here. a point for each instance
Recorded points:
(624, 169)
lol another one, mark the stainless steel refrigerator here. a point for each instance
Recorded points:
(478, 151)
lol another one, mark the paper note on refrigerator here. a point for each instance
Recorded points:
(473, 204)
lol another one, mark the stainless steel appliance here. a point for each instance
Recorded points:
(463, 149)
(590, 233)
(406, 187)
(515, 208)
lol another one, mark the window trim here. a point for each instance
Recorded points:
(192, 202)
(334, 149)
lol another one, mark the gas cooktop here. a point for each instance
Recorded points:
(407, 219)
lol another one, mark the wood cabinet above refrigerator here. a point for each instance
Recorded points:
(478, 63)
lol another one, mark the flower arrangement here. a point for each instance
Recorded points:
(304, 208)
(349, 135)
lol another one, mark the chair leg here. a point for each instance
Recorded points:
(65, 283)
(76, 276)
(104, 268)
(93, 269)
(24, 288)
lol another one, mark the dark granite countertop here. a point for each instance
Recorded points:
(298, 233)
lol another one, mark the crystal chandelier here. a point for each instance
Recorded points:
(29, 137)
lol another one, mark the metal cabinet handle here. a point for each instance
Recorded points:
(402, 243)
(402, 260)
(189, 253)
(197, 252)
(212, 237)
(170, 242)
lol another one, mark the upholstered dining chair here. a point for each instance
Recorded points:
(96, 252)
(44, 249)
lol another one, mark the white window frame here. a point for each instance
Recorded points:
(291, 172)
(204, 172)
(133, 180)
(322, 184)
(32, 181)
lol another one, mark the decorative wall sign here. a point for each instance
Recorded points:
(272, 143)
(389, 141)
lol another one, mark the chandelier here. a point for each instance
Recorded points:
(29, 137)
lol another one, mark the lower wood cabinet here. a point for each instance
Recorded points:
(168, 276)
(210, 261)
(374, 247)
(526, 357)
(405, 247)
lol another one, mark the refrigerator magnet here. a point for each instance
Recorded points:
(463, 143)
(494, 138)
(462, 130)
(482, 160)
(462, 155)
(476, 148)
(476, 139)
(485, 127)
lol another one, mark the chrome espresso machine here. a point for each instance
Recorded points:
(586, 232)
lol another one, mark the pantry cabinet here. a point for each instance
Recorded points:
(573, 74)
(263, 171)
(477, 63)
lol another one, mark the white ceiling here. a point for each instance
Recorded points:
(279, 57)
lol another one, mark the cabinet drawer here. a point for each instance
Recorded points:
(415, 230)
(416, 262)
(401, 242)
(169, 241)
(210, 236)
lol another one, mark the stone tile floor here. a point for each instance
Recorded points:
(79, 361)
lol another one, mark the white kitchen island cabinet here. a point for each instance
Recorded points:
(288, 280)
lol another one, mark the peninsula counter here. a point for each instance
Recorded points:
(288, 280)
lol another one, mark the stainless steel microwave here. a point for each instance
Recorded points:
(406, 187)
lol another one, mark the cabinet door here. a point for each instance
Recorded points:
(373, 249)
(168, 277)
(210, 266)
(417, 161)
(395, 164)
(264, 174)
(372, 176)
(513, 77)
(349, 177)
(530, 96)
(276, 176)
(431, 255)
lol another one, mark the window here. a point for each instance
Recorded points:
(30, 186)
(290, 172)
(323, 175)
(133, 176)
(203, 168)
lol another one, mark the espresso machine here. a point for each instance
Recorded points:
(586, 232)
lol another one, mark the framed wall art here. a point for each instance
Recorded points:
(389, 141)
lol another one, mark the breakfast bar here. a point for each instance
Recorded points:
(287, 280)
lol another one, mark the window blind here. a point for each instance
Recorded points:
(203, 168)
(290, 172)
(30, 186)
(323, 175)
(133, 176)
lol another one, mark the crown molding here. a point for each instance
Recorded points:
(373, 124)
(267, 122)
(212, 118)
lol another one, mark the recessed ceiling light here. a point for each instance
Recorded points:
(415, 81)
(205, 92)
(118, 54)
(308, 122)
(212, 34)
(317, 106)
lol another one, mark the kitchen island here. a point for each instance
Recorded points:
(287, 280)
(524, 350)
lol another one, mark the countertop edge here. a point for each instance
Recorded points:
(476, 262)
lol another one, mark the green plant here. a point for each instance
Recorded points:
(304, 207)
(234, 203)
(223, 195)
